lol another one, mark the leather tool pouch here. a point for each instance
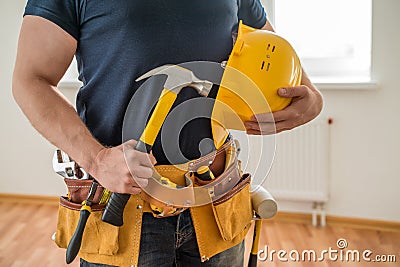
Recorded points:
(233, 211)
(231, 205)
(98, 237)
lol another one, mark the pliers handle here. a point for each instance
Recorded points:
(75, 243)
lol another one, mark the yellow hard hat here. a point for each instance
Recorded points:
(260, 63)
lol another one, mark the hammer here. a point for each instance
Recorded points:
(177, 78)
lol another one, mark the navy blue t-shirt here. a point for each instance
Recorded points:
(120, 40)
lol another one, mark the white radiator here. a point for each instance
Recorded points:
(300, 165)
(300, 170)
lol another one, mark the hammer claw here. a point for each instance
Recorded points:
(179, 77)
(158, 70)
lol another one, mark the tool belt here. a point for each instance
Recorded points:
(184, 175)
(219, 225)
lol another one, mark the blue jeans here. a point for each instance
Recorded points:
(171, 242)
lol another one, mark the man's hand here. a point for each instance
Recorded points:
(121, 168)
(306, 105)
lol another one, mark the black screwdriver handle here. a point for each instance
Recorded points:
(114, 211)
(75, 243)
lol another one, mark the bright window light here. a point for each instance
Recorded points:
(71, 75)
(332, 37)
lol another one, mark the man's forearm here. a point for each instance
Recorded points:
(55, 118)
(305, 80)
(44, 53)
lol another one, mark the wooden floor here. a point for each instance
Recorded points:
(26, 229)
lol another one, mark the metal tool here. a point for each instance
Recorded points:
(66, 167)
(75, 243)
(177, 78)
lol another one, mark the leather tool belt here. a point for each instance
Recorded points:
(228, 181)
(219, 224)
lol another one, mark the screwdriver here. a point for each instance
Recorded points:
(204, 173)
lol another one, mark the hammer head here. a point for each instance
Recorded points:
(178, 77)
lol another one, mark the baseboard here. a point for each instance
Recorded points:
(358, 223)
(280, 217)
(363, 223)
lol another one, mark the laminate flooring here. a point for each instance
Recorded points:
(26, 229)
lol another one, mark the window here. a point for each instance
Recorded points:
(332, 37)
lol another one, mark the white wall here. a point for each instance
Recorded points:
(366, 133)
(25, 158)
(365, 174)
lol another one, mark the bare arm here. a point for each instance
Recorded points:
(306, 105)
(44, 54)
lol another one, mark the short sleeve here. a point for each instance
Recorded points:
(252, 13)
(64, 13)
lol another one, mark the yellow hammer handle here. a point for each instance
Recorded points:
(157, 119)
(256, 237)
